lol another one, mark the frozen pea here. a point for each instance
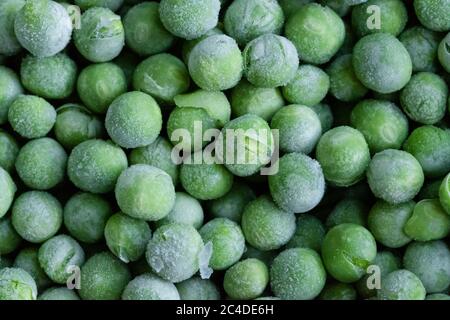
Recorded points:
(127, 237)
(422, 45)
(433, 14)
(382, 123)
(265, 256)
(144, 32)
(206, 181)
(43, 27)
(393, 17)
(58, 294)
(299, 185)
(41, 163)
(290, 7)
(99, 84)
(297, 274)
(113, 5)
(8, 188)
(382, 63)
(196, 288)
(95, 165)
(347, 250)
(317, 32)
(387, 222)
(157, 154)
(150, 287)
(133, 120)
(145, 192)
(36, 216)
(216, 104)
(430, 261)
(344, 155)
(424, 98)
(309, 233)
(338, 291)
(188, 45)
(395, 176)
(189, 19)
(49, 77)
(186, 210)
(270, 61)
(401, 285)
(163, 76)
(232, 204)
(103, 277)
(228, 242)
(325, 115)
(85, 216)
(252, 144)
(308, 87)
(246, 20)
(444, 193)
(27, 259)
(17, 284)
(247, 279)
(348, 210)
(344, 85)
(31, 116)
(101, 36)
(299, 128)
(173, 252)
(216, 63)
(10, 89)
(249, 99)
(444, 52)
(265, 226)
(430, 145)
(9, 238)
(8, 11)
(428, 222)
(58, 255)
(76, 124)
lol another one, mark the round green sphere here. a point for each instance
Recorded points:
(58, 294)
(347, 210)
(186, 210)
(9, 189)
(401, 285)
(196, 288)
(444, 52)
(17, 284)
(8, 11)
(433, 14)
(10, 89)
(325, 115)
(150, 287)
(27, 259)
(309, 233)
(10, 239)
(338, 291)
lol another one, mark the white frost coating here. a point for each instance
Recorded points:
(203, 261)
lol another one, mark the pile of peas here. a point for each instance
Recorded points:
(92, 90)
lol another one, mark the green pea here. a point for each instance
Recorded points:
(99, 84)
(247, 279)
(270, 61)
(150, 287)
(34, 122)
(433, 14)
(9, 9)
(444, 193)
(246, 20)
(444, 52)
(196, 288)
(387, 223)
(103, 277)
(347, 250)
(344, 155)
(58, 255)
(41, 163)
(100, 37)
(95, 165)
(43, 27)
(299, 185)
(162, 76)
(133, 120)
(85, 216)
(317, 32)
(27, 259)
(186, 210)
(173, 252)
(325, 115)
(382, 63)
(60, 294)
(113, 5)
(338, 291)
(428, 222)
(249, 99)
(297, 274)
(17, 284)
(10, 89)
(309, 233)
(430, 261)
(36, 216)
(348, 211)
(127, 237)
(10, 239)
(8, 188)
(395, 176)
(188, 45)
(290, 7)
(76, 124)
(401, 285)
